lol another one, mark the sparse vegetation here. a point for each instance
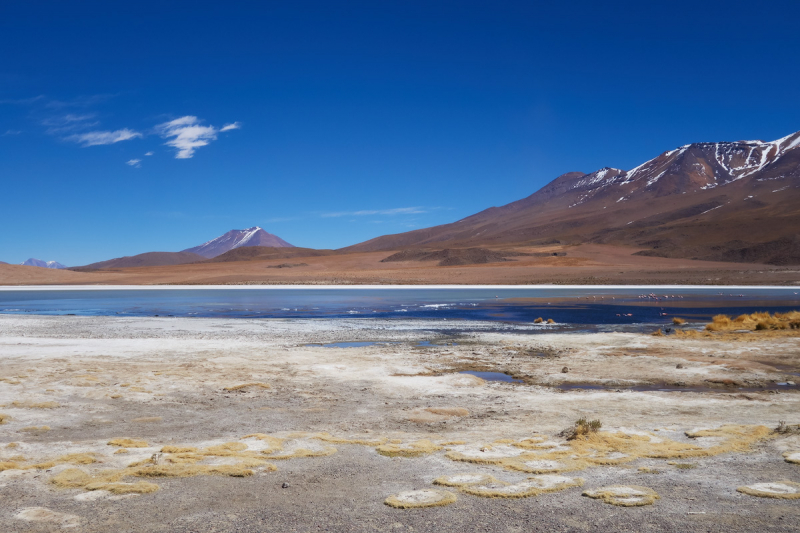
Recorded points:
(761, 321)
(538, 320)
(582, 428)
(678, 321)
(787, 429)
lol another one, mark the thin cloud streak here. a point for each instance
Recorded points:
(98, 138)
(232, 126)
(371, 212)
(134, 163)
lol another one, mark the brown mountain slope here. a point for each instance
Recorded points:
(263, 253)
(146, 259)
(718, 201)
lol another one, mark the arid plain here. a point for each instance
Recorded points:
(579, 264)
(177, 424)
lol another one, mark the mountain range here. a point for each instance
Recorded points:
(722, 201)
(42, 264)
(729, 201)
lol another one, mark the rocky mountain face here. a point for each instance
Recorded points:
(238, 238)
(734, 201)
(42, 264)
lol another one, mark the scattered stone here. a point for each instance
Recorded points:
(679, 365)
(285, 485)
(565, 370)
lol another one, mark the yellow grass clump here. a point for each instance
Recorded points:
(245, 386)
(523, 489)
(678, 321)
(327, 437)
(128, 443)
(624, 495)
(551, 321)
(35, 405)
(178, 449)
(413, 449)
(36, 429)
(4, 419)
(761, 321)
(420, 498)
(226, 449)
(121, 450)
(538, 320)
(274, 443)
(463, 480)
(190, 470)
(784, 490)
(9, 465)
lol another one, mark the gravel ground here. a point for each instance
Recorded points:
(164, 381)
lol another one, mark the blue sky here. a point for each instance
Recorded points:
(159, 125)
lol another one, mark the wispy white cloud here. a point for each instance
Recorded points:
(370, 212)
(231, 126)
(148, 153)
(97, 138)
(12, 132)
(186, 135)
(134, 162)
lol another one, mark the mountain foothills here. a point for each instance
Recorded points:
(725, 201)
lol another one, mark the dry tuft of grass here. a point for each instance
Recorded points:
(4, 419)
(190, 470)
(178, 449)
(36, 429)
(783, 490)
(9, 465)
(420, 498)
(327, 437)
(582, 428)
(128, 443)
(624, 495)
(413, 449)
(657, 333)
(761, 321)
(35, 405)
(678, 321)
(538, 320)
(244, 386)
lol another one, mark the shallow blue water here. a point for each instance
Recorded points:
(573, 306)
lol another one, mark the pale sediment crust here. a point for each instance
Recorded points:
(214, 409)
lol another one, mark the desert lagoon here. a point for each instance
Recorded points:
(364, 409)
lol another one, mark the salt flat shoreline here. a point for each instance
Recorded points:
(202, 383)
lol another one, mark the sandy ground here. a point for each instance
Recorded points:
(584, 264)
(343, 429)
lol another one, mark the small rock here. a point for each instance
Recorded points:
(790, 383)
(565, 370)
(679, 365)
(285, 485)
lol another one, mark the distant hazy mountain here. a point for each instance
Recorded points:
(239, 238)
(729, 201)
(43, 264)
(146, 259)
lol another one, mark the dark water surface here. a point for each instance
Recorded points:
(573, 306)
